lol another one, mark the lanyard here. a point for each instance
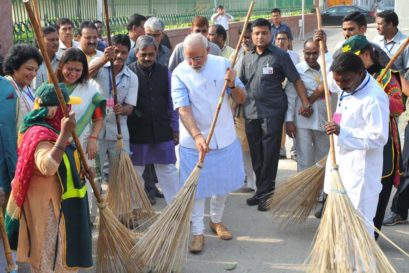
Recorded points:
(110, 81)
(352, 93)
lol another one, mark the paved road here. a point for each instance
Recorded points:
(261, 246)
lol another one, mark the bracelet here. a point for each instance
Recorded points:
(92, 137)
(195, 136)
(232, 87)
(59, 148)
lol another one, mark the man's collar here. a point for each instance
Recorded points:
(395, 38)
(270, 48)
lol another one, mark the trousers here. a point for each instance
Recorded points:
(311, 146)
(217, 205)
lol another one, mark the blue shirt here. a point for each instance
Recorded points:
(282, 27)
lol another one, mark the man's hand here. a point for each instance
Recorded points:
(305, 110)
(290, 129)
(90, 175)
(230, 77)
(319, 35)
(109, 54)
(118, 109)
(201, 146)
(332, 128)
(176, 138)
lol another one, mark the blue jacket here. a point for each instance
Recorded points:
(8, 133)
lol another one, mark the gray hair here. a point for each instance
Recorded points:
(194, 39)
(144, 41)
(154, 24)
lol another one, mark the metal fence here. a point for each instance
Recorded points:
(173, 12)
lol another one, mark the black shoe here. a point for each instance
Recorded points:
(263, 203)
(152, 199)
(159, 194)
(253, 201)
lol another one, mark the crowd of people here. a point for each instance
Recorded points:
(165, 99)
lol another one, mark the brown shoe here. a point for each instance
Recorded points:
(221, 231)
(196, 246)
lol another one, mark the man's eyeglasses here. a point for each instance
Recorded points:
(196, 59)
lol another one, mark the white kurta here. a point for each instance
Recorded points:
(359, 146)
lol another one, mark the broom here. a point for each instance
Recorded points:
(125, 185)
(11, 266)
(295, 198)
(343, 243)
(115, 240)
(163, 248)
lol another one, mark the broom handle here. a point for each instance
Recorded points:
(6, 244)
(393, 59)
(327, 95)
(113, 82)
(219, 104)
(59, 93)
(36, 12)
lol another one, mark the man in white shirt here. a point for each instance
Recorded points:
(127, 93)
(88, 39)
(391, 38)
(217, 34)
(65, 30)
(360, 126)
(222, 18)
(282, 41)
(196, 87)
(311, 141)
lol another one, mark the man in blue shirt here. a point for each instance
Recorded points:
(277, 27)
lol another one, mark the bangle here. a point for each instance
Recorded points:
(59, 148)
(195, 136)
(92, 137)
(232, 87)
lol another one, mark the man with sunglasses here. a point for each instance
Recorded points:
(200, 25)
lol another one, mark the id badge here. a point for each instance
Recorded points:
(267, 70)
(110, 106)
(337, 118)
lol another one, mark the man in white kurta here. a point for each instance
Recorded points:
(196, 87)
(311, 141)
(361, 127)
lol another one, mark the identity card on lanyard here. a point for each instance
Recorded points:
(110, 100)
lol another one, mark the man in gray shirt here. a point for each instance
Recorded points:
(200, 24)
(263, 71)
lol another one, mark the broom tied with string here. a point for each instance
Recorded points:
(163, 247)
(114, 240)
(125, 188)
(342, 243)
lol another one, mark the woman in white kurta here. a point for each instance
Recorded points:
(363, 117)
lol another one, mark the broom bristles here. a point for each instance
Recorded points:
(114, 243)
(163, 247)
(294, 199)
(126, 194)
(343, 243)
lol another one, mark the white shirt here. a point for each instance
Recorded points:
(391, 47)
(127, 92)
(222, 20)
(311, 79)
(201, 90)
(62, 47)
(91, 58)
(364, 128)
(294, 57)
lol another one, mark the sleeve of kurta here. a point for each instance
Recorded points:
(291, 97)
(288, 67)
(180, 95)
(43, 160)
(374, 134)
